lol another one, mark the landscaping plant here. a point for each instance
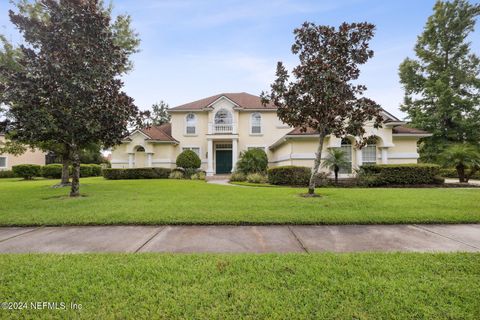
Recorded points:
(27, 171)
(324, 95)
(252, 161)
(465, 158)
(335, 160)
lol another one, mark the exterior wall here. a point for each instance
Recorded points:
(29, 157)
(404, 151)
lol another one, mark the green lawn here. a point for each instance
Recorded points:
(180, 201)
(294, 286)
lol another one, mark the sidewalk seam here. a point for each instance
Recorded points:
(298, 239)
(21, 234)
(444, 236)
(149, 239)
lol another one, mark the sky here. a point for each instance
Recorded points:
(191, 49)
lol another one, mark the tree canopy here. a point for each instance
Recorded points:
(65, 85)
(323, 94)
(442, 85)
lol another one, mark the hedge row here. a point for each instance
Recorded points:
(7, 174)
(52, 171)
(400, 174)
(452, 173)
(136, 173)
(289, 175)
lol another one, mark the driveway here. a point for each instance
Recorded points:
(236, 239)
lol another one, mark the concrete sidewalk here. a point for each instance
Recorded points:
(235, 239)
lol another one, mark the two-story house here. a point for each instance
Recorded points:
(218, 128)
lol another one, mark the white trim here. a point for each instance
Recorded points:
(412, 135)
(193, 146)
(250, 126)
(264, 147)
(119, 162)
(403, 155)
(137, 130)
(223, 97)
(185, 133)
(162, 161)
(6, 161)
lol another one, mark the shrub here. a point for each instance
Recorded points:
(52, 171)
(399, 174)
(452, 173)
(198, 176)
(188, 159)
(136, 173)
(27, 171)
(7, 174)
(289, 175)
(176, 174)
(256, 178)
(252, 161)
(238, 176)
(95, 170)
(189, 172)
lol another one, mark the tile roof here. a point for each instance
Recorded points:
(395, 130)
(242, 99)
(407, 130)
(160, 133)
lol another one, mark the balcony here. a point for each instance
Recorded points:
(224, 128)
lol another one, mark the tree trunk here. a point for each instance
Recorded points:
(336, 174)
(461, 173)
(316, 165)
(75, 191)
(65, 172)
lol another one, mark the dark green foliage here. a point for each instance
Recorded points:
(289, 175)
(52, 171)
(252, 161)
(464, 157)
(189, 172)
(90, 170)
(452, 173)
(399, 174)
(7, 174)
(136, 173)
(188, 159)
(27, 171)
(442, 83)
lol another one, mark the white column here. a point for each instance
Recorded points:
(359, 158)
(130, 160)
(384, 155)
(210, 158)
(149, 160)
(234, 153)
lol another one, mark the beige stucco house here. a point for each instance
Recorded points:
(218, 128)
(7, 161)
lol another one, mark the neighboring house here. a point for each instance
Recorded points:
(7, 161)
(218, 128)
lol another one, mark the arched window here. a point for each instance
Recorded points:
(223, 117)
(347, 148)
(256, 123)
(191, 123)
(140, 149)
(369, 152)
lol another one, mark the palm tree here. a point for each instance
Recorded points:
(463, 157)
(336, 159)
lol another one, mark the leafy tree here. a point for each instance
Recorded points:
(188, 159)
(442, 86)
(465, 158)
(336, 159)
(159, 114)
(324, 95)
(252, 161)
(66, 90)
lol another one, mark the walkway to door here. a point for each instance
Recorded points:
(257, 239)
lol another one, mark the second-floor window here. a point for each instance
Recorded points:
(256, 123)
(191, 123)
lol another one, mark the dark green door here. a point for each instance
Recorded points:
(224, 161)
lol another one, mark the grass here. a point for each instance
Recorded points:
(293, 286)
(195, 202)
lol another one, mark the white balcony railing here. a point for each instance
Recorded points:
(214, 128)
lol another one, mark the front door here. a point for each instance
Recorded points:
(223, 161)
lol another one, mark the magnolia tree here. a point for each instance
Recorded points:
(323, 94)
(64, 87)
